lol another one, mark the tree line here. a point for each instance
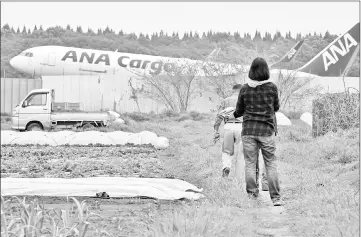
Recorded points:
(235, 46)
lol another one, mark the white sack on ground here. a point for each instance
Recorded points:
(119, 121)
(117, 187)
(83, 138)
(307, 118)
(113, 114)
(162, 142)
(282, 120)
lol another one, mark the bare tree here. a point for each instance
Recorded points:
(222, 73)
(175, 86)
(135, 92)
(292, 88)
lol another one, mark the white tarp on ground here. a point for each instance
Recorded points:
(307, 118)
(7, 136)
(116, 187)
(282, 119)
(82, 138)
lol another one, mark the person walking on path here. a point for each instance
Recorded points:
(257, 103)
(232, 137)
(232, 132)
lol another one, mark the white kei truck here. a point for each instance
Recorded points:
(39, 111)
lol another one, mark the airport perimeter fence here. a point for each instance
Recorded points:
(13, 90)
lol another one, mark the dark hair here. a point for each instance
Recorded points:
(259, 70)
(237, 87)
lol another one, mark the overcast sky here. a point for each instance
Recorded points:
(303, 17)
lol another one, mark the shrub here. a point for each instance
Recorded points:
(335, 111)
(169, 114)
(196, 116)
(138, 117)
(183, 118)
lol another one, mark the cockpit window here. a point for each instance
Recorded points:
(26, 54)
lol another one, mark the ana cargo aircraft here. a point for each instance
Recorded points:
(333, 61)
(57, 60)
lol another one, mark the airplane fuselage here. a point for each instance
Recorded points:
(57, 60)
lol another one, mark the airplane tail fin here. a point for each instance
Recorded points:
(337, 57)
(290, 55)
(213, 54)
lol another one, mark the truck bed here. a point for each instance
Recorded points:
(78, 116)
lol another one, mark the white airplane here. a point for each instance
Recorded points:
(333, 61)
(58, 60)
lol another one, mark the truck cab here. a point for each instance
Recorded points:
(38, 111)
(33, 112)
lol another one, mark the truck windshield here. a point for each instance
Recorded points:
(37, 99)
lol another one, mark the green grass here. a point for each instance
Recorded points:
(325, 181)
(320, 202)
(320, 183)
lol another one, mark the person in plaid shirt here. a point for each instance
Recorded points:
(257, 103)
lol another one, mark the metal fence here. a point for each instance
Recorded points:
(13, 90)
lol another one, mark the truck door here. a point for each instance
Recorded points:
(35, 108)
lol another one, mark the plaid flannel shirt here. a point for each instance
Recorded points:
(258, 105)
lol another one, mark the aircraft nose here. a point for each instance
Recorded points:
(14, 62)
(17, 63)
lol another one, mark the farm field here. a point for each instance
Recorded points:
(319, 183)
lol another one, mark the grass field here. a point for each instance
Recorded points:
(319, 183)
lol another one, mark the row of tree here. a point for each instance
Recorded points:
(186, 36)
(234, 47)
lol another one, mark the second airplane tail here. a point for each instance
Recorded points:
(290, 56)
(337, 57)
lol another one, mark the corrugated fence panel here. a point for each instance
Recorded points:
(113, 92)
(3, 102)
(13, 90)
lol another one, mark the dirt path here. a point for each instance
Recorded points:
(269, 220)
(262, 218)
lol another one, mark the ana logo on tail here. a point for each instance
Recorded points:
(330, 57)
(291, 53)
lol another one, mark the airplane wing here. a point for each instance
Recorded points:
(337, 57)
(290, 55)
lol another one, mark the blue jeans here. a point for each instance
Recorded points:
(251, 146)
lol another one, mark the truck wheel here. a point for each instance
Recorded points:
(34, 127)
(88, 126)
